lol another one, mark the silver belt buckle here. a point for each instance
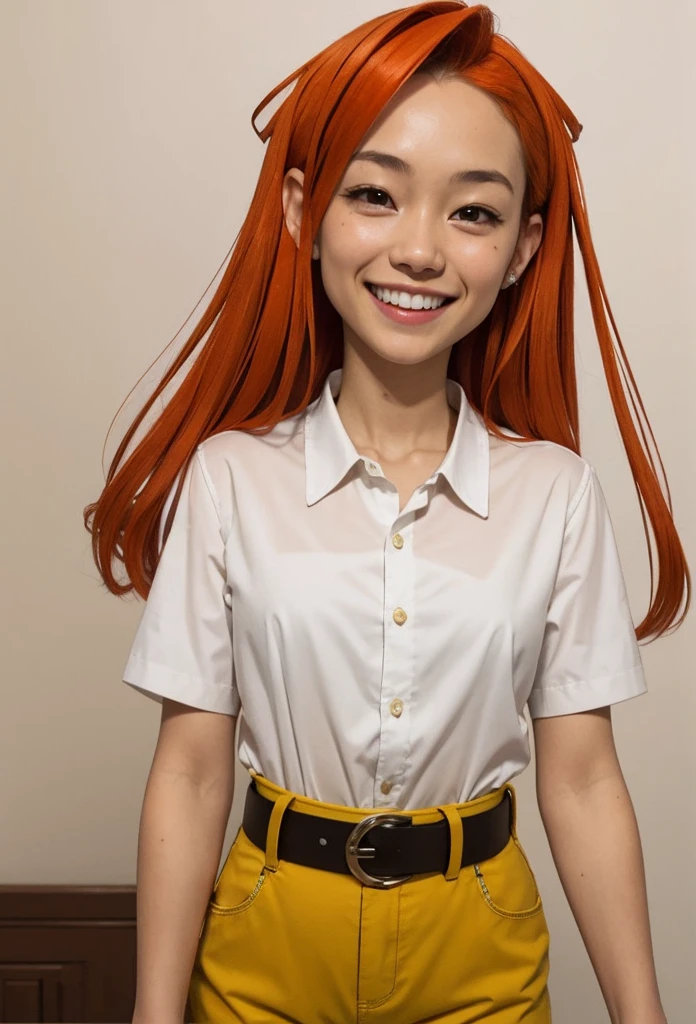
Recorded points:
(354, 853)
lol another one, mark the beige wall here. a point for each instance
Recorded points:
(131, 161)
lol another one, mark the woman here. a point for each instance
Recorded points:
(362, 520)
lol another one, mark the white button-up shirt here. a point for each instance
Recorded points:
(384, 658)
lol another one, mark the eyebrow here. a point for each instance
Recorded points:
(395, 163)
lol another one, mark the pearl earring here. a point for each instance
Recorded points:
(512, 279)
(315, 251)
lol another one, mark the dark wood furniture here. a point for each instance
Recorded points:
(67, 954)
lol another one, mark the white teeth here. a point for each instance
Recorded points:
(405, 300)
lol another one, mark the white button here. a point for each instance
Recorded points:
(228, 598)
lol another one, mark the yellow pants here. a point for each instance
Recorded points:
(285, 942)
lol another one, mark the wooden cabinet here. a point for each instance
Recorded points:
(67, 954)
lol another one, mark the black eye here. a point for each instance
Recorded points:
(477, 215)
(371, 196)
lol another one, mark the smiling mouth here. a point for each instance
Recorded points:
(404, 300)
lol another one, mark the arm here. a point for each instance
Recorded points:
(591, 827)
(185, 813)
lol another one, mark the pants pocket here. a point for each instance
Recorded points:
(507, 884)
(242, 879)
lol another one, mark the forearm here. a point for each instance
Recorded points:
(595, 843)
(182, 829)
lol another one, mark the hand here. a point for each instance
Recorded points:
(153, 1018)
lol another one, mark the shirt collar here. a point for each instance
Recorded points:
(330, 453)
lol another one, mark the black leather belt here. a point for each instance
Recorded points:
(394, 847)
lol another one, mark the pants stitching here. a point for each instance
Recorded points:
(372, 1004)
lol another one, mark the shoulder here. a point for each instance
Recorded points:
(546, 466)
(231, 459)
(228, 448)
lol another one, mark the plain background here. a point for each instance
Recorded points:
(129, 161)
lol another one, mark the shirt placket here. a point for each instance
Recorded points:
(398, 666)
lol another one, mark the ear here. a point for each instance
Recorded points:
(528, 242)
(293, 196)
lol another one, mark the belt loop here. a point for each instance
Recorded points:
(456, 830)
(513, 809)
(274, 830)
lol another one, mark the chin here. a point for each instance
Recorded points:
(404, 354)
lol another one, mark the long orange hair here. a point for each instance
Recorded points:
(273, 336)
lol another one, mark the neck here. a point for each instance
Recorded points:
(394, 410)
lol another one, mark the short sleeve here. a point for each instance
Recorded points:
(589, 655)
(183, 645)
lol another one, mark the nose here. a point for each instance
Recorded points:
(416, 246)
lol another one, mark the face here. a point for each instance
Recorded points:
(424, 228)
